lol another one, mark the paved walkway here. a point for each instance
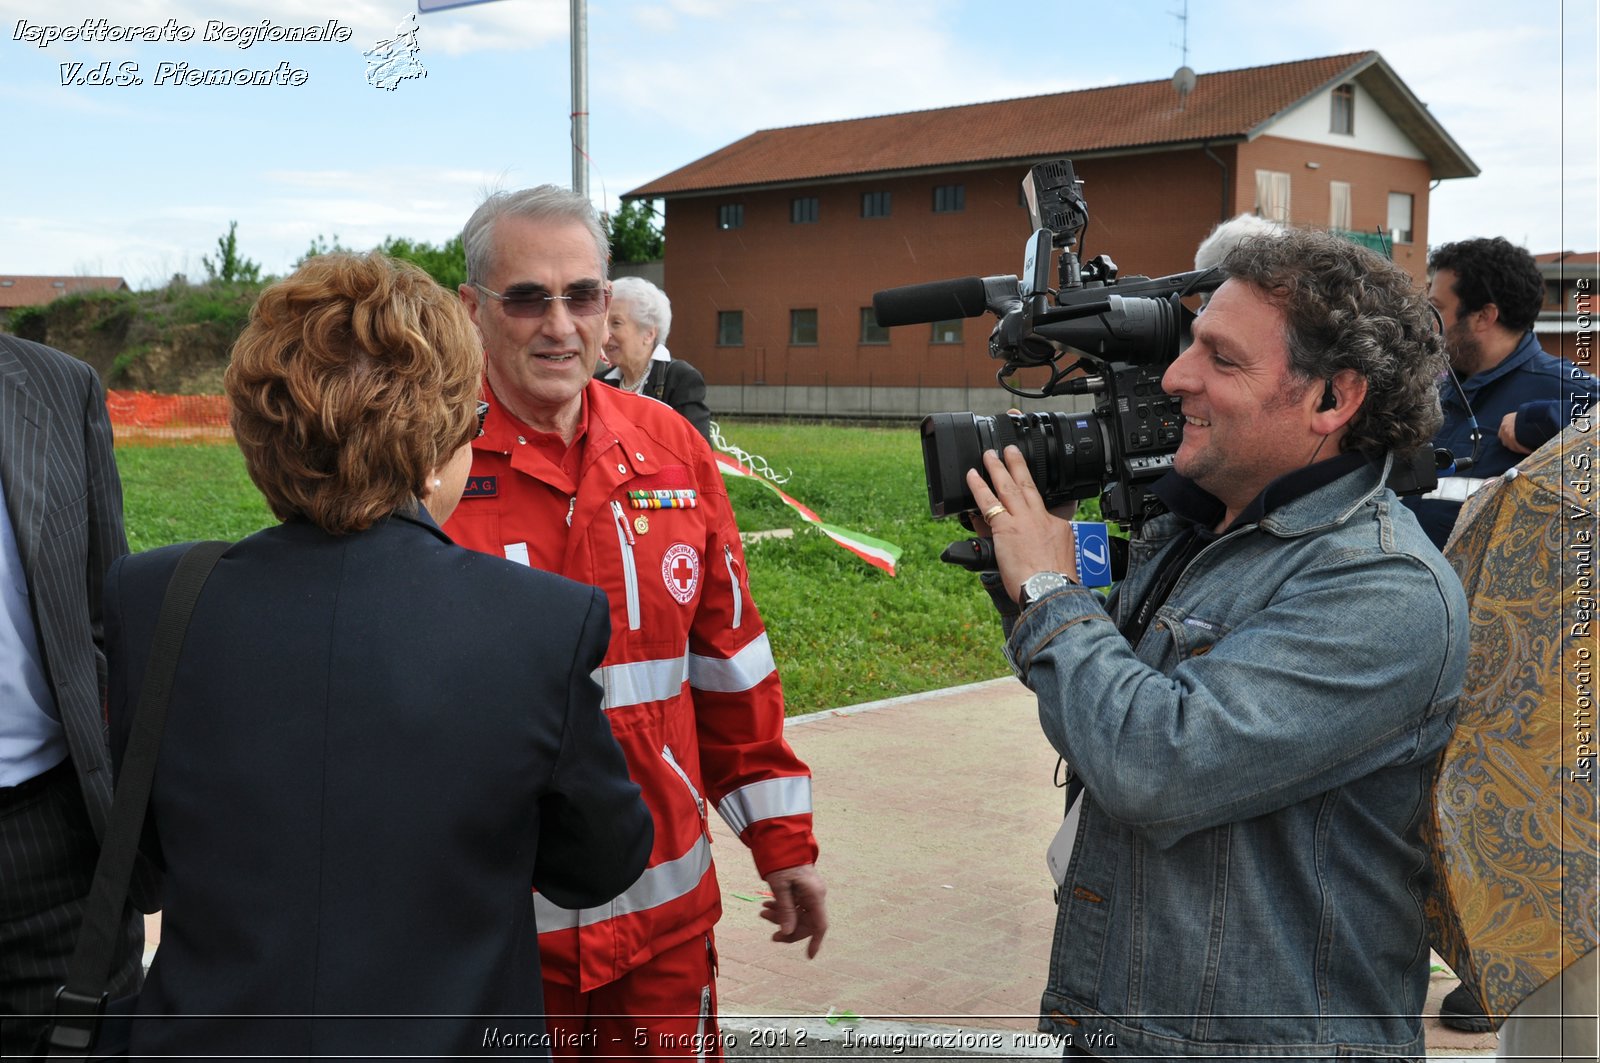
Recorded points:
(934, 812)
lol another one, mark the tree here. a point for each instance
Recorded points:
(445, 263)
(634, 234)
(229, 267)
(321, 246)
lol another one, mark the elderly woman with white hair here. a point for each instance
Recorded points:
(1228, 235)
(637, 327)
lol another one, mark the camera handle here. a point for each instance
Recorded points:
(977, 555)
(974, 555)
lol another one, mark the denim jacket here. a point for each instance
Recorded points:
(1249, 871)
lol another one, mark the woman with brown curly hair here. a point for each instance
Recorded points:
(377, 741)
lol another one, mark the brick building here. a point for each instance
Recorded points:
(1566, 326)
(17, 290)
(776, 242)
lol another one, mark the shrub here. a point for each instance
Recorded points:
(28, 322)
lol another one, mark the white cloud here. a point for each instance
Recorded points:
(1493, 78)
(98, 107)
(778, 65)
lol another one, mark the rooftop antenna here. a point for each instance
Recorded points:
(1183, 81)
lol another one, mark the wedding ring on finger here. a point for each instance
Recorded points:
(993, 511)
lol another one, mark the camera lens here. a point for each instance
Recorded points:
(1065, 452)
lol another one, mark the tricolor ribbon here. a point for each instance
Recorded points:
(874, 552)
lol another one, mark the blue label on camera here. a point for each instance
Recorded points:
(1094, 553)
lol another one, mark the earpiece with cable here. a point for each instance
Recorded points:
(1330, 400)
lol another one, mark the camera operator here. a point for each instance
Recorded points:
(1251, 719)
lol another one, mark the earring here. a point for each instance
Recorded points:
(437, 484)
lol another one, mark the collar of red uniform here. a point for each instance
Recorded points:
(609, 424)
(601, 427)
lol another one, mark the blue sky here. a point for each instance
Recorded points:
(140, 180)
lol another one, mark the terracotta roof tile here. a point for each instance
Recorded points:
(1230, 104)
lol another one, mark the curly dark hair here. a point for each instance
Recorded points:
(356, 376)
(1492, 269)
(1348, 308)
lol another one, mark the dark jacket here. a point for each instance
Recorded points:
(59, 479)
(61, 489)
(676, 383)
(377, 743)
(1545, 392)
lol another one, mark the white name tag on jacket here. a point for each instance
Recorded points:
(1059, 855)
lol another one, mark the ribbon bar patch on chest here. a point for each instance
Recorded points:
(663, 499)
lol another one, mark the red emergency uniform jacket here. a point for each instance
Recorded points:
(690, 686)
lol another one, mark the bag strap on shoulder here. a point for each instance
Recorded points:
(82, 1000)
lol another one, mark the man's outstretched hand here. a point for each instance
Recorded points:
(797, 906)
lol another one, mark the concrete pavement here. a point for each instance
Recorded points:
(933, 812)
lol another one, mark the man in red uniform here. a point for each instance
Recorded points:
(619, 491)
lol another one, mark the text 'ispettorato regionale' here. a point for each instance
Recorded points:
(214, 31)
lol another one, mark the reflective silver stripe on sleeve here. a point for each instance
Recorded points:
(1455, 488)
(641, 681)
(655, 887)
(740, 672)
(768, 799)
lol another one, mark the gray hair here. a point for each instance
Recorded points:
(1346, 307)
(647, 305)
(1229, 235)
(545, 203)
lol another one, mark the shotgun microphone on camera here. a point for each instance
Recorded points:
(917, 304)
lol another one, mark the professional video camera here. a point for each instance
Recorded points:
(1125, 330)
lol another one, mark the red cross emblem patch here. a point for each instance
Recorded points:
(680, 569)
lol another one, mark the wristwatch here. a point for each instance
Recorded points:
(1038, 585)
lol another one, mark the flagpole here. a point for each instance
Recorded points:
(580, 98)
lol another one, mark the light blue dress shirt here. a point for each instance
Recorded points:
(31, 739)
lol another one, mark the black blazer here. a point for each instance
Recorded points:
(676, 383)
(376, 744)
(65, 502)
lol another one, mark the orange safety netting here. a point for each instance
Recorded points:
(145, 417)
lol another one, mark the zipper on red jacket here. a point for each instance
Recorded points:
(738, 594)
(700, 1031)
(672, 762)
(630, 572)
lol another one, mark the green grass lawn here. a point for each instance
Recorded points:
(172, 494)
(842, 631)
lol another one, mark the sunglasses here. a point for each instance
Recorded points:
(483, 415)
(581, 302)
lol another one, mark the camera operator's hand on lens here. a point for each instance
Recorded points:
(1028, 538)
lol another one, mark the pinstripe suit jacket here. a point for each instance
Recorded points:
(65, 501)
